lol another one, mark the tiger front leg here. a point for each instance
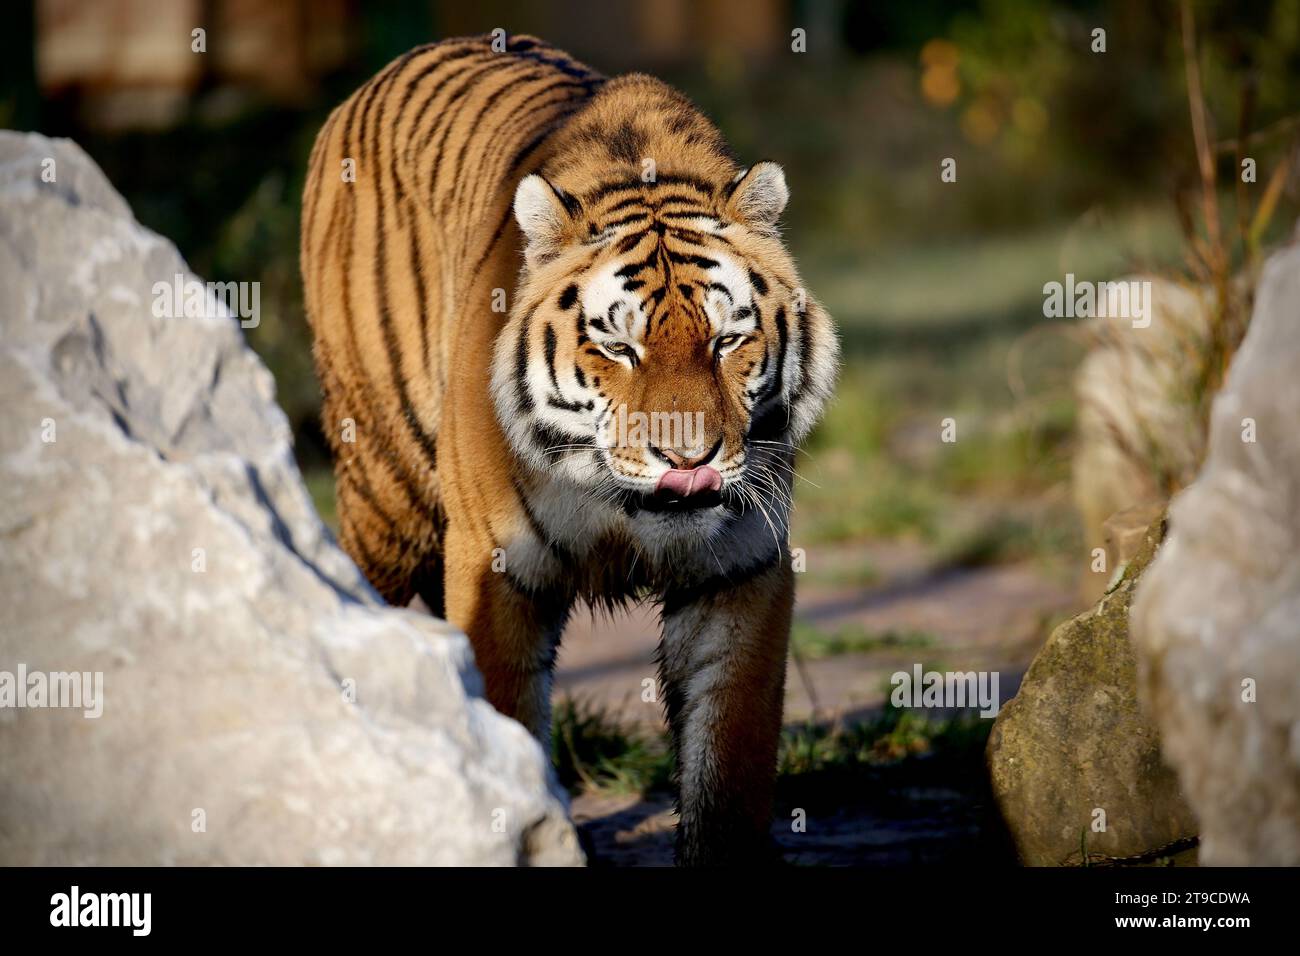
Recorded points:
(514, 630)
(722, 666)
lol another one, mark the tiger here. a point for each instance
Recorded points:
(506, 256)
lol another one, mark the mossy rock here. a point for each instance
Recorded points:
(1074, 741)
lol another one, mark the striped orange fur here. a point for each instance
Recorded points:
(526, 254)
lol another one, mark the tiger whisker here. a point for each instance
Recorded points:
(753, 493)
(768, 483)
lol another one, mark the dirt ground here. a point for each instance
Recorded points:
(936, 811)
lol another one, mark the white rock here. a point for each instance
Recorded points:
(223, 690)
(1220, 605)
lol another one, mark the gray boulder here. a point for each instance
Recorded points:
(1216, 622)
(259, 704)
(1074, 763)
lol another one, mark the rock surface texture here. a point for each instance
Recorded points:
(260, 705)
(1074, 762)
(1216, 621)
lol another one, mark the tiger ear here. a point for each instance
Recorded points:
(543, 212)
(759, 195)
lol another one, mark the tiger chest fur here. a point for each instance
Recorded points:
(484, 460)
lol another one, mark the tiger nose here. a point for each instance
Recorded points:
(679, 461)
(684, 459)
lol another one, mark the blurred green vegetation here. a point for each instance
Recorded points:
(814, 642)
(1067, 161)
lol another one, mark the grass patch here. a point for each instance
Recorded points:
(815, 642)
(594, 750)
(892, 737)
(865, 499)
(1051, 535)
(1023, 453)
(1004, 538)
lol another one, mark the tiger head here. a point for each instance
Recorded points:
(662, 354)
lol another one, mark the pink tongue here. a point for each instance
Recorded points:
(686, 482)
